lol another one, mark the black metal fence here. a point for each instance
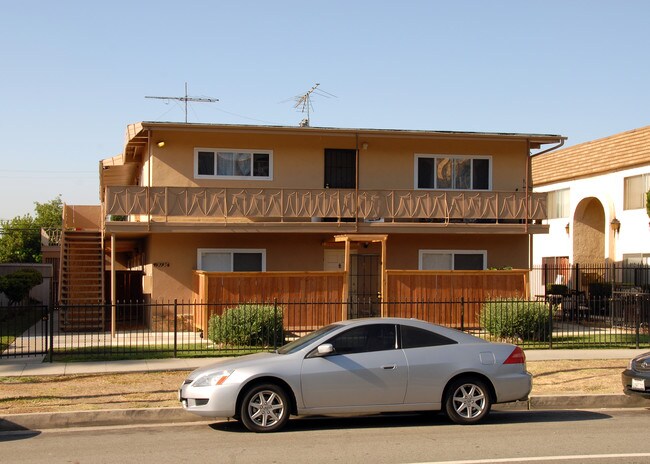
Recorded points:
(136, 330)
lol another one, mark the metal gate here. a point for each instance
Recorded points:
(365, 286)
(25, 331)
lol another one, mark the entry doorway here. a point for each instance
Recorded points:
(365, 286)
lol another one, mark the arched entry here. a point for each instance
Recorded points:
(589, 232)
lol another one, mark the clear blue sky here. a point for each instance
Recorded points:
(75, 73)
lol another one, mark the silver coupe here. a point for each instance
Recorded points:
(362, 366)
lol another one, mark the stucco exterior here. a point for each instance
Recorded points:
(588, 232)
(162, 214)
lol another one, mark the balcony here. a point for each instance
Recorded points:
(346, 208)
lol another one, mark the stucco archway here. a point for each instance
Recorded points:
(589, 232)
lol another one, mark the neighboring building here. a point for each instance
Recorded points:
(596, 201)
(187, 207)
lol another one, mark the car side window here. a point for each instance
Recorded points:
(414, 337)
(367, 338)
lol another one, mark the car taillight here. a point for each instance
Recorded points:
(516, 357)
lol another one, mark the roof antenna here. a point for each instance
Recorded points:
(303, 102)
(187, 98)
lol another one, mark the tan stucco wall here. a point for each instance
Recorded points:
(172, 257)
(298, 162)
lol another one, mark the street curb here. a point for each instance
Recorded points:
(97, 418)
(113, 417)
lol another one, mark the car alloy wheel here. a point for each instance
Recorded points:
(468, 402)
(265, 408)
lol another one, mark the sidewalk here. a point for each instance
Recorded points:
(35, 366)
(38, 421)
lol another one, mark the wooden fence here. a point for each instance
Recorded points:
(456, 294)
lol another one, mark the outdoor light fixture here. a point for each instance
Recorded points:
(616, 225)
(364, 145)
(161, 144)
(567, 228)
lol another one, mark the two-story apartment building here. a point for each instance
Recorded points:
(213, 212)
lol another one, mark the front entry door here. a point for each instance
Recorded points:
(365, 286)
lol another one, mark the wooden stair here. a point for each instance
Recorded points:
(80, 294)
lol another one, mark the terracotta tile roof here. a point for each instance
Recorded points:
(613, 153)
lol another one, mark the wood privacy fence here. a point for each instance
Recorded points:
(406, 292)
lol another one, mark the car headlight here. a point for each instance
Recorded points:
(212, 379)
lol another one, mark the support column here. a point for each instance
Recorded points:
(113, 289)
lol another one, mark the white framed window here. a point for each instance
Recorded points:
(452, 260)
(635, 188)
(231, 260)
(453, 172)
(223, 163)
(557, 204)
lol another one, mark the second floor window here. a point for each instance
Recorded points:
(635, 191)
(233, 164)
(558, 204)
(453, 172)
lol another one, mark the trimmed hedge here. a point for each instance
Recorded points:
(248, 325)
(509, 319)
(17, 285)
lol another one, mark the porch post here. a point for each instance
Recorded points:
(346, 280)
(384, 279)
(113, 289)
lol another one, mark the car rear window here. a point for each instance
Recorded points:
(414, 337)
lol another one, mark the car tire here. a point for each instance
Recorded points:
(264, 408)
(467, 401)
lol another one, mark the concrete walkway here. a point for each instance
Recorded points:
(40, 421)
(30, 366)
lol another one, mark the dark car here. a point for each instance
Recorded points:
(636, 378)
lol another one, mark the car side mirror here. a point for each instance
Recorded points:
(325, 349)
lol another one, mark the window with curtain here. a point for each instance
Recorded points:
(452, 172)
(635, 188)
(233, 164)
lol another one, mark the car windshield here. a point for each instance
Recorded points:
(298, 344)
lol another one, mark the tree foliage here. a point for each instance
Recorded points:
(20, 241)
(17, 285)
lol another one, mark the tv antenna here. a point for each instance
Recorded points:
(186, 99)
(303, 102)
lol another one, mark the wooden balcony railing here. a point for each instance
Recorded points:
(279, 204)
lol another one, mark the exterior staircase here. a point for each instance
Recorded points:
(80, 293)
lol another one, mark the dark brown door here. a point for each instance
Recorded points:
(340, 168)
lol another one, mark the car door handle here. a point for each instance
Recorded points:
(389, 367)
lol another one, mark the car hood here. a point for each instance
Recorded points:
(235, 363)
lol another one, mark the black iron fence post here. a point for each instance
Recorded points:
(275, 323)
(550, 326)
(50, 331)
(637, 317)
(175, 327)
(462, 313)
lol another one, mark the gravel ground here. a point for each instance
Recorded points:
(159, 389)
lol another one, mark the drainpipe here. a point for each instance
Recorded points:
(356, 185)
(528, 169)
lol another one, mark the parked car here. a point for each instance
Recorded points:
(362, 366)
(636, 378)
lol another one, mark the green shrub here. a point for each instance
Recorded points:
(248, 325)
(17, 285)
(509, 319)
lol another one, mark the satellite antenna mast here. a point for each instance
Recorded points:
(186, 99)
(303, 102)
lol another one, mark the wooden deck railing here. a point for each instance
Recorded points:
(280, 204)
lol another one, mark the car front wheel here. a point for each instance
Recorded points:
(265, 408)
(467, 401)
